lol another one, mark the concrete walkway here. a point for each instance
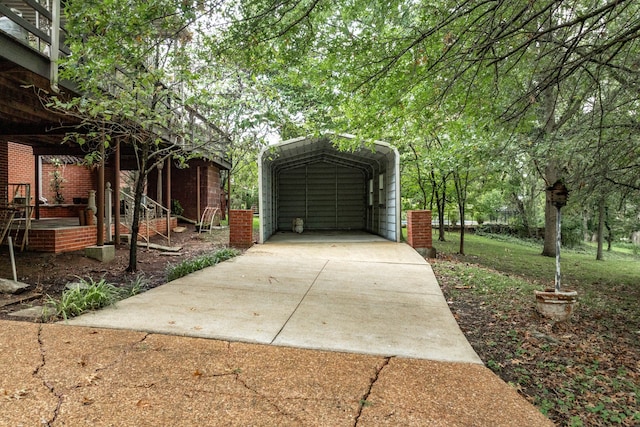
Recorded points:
(359, 294)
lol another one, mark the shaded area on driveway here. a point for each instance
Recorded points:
(342, 292)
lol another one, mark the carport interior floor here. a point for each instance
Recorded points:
(372, 297)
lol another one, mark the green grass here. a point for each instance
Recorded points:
(207, 260)
(513, 256)
(618, 274)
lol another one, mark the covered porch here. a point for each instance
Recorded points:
(31, 133)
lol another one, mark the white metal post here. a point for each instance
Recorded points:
(558, 244)
(55, 45)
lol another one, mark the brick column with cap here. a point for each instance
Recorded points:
(419, 230)
(241, 228)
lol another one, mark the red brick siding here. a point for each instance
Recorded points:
(160, 225)
(184, 184)
(241, 228)
(4, 169)
(78, 181)
(61, 211)
(71, 239)
(212, 190)
(62, 239)
(22, 166)
(419, 229)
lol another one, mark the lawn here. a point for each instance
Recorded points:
(582, 372)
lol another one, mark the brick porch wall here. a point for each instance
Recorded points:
(241, 228)
(72, 239)
(62, 239)
(61, 211)
(419, 229)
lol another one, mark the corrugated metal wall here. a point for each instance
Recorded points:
(325, 195)
(330, 189)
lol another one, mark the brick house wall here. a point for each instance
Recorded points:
(18, 163)
(16, 167)
(184, 183)
(22, 166)
(212, 190)
(78, 180)
(4, 170)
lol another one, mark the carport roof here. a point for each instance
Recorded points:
(307, 150)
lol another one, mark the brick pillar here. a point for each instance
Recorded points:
(241, 228)
(419, 230)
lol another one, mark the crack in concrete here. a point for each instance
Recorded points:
(122, 355)
(37, 373)
(364, 402)
(266, 399)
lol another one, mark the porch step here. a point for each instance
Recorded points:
(127, 237)
(161, 247)
(10, 287)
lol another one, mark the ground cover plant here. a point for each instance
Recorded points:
(205, 260)
(89, 294)
(585, 372)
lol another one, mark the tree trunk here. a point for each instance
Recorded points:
(585, 226)
(461, 192)
(462, 228)
(550, 214)
(137, 203)
(441, 201)
(608, 227)
(599, 256)
(523, 214)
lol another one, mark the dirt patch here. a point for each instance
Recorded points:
(49, 273)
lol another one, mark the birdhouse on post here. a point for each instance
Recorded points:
(558, 194)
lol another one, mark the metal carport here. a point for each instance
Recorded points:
(329, 189)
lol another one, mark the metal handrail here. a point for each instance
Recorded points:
(25, 24)
(150, 210)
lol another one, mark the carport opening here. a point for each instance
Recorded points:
(329, 190)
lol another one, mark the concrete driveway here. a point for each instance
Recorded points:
(350, 293)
